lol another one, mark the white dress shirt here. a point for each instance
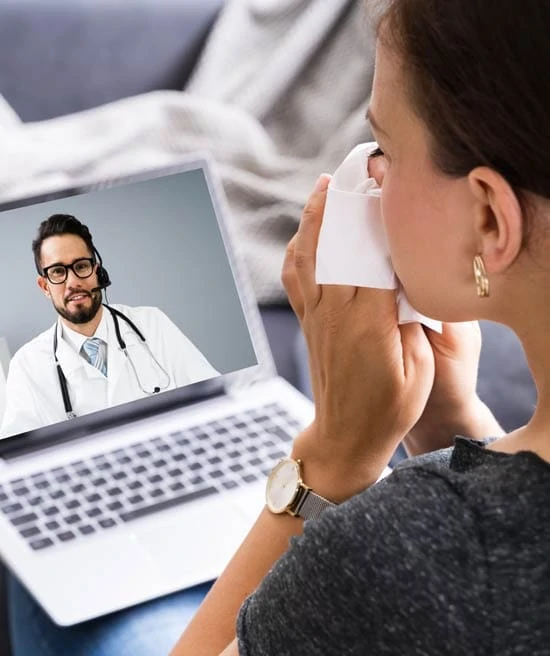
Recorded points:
(167, 360)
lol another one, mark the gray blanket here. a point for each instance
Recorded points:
(279, 96)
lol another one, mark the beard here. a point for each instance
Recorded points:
(81, 315)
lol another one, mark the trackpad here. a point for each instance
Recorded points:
(195, 545)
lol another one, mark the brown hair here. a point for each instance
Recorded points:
(478, 76)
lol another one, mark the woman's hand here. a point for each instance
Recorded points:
(453, 407)
(371, 378)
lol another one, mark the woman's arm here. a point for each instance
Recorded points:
(371, 379)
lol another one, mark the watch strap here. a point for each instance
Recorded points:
(311, 505)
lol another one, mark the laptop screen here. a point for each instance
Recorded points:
(130, 307)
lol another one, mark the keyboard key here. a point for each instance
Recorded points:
(86, 529)
(93, 512)
(176, 486)
(35, 501)
(78, 488)
(178, 457)
(24, 519)
(40, 543)
(66, 536)
(3, 497)
(61, 478)
(175, 472)
(11, 508)
(83, 471)
(156, 478)
(114, 505)
(214, 460)
(135, 485)
(159, 463)
(21, 491)
(281, 433)
(144, 453)
(139, 469)
(136, 498)
(104, 466)
(157, 492)
(72, 519)
(97, 482)
(194, 466)
(30, 532)
(52, 525)
(199, 451)
(51, 510)
(107, 522)
(229, 485)
(197, 480)
(42, 485)
(237, 467)
(167, 503)
(93, 498)
(249, 478)
(72, 504)
(57, 494)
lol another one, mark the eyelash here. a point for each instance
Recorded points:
(377, 152)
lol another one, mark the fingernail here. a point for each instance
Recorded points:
(322, 182)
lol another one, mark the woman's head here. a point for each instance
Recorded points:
(464, 88)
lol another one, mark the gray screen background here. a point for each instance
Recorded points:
(160, 242)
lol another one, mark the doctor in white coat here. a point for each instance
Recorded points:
(140, 352)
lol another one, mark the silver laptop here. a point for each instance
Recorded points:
(141, 499)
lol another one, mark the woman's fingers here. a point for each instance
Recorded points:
(306, 242)
(290, 280)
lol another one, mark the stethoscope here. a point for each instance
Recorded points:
(116, 314)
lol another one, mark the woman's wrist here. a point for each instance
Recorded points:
(475, 421)
(333, 472)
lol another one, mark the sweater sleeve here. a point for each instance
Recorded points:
(398, 569)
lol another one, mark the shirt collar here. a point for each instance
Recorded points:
(76, 340)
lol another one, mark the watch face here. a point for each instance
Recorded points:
(282, 485)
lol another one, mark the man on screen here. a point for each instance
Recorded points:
(95, 355)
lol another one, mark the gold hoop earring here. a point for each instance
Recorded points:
(480, 275)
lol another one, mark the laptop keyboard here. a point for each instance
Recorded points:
(95, 494)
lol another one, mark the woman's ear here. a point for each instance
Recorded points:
(498, 219)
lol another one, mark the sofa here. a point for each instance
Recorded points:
(58, 57)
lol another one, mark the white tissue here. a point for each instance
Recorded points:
(352, 248)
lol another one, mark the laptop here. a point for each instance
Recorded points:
(135, 501)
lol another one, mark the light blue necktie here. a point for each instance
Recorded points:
(95, 351)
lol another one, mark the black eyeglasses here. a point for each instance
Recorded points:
(57, 273)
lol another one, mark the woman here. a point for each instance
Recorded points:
(448, 554)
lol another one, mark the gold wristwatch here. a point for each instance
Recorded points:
(285, 492)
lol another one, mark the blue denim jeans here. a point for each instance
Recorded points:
(150, 629)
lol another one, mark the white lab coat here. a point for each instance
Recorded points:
(33, 394)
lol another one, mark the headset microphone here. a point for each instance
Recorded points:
(156, 390)
(103, 280)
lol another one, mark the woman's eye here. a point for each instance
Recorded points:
(377, 165)
(377, 152)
